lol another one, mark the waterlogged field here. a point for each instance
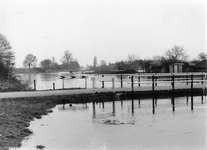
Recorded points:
(44, 81)
(128, 124)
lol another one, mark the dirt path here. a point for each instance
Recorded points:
(87, 91)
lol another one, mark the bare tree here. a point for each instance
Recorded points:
(67, 58)
(6, 58)
(6, 54)
(132, 61)
(30, 61)
(176, 54)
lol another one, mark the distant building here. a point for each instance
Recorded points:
(188, 66)
(201, 66)
(176, 67)
(159, 69)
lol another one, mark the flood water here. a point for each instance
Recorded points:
(83, 126)
(44, 81)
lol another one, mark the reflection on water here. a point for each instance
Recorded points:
(72, 107)
(173, 125)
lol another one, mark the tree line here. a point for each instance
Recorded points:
(67, 62)
(176, 54)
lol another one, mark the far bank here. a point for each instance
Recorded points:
(34, 70)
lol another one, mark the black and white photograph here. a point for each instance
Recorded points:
(103, 74)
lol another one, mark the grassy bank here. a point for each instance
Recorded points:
(13, 85)
(16, 114)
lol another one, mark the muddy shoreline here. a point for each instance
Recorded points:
(17, 113)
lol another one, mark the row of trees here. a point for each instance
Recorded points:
(133, 62)
(176, 54)
(68, 63)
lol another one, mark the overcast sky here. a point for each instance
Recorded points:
(108, 29)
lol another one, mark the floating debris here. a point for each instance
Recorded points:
(115, 121)
(40, 147)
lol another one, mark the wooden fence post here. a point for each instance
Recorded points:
(202, 79)
(85, 82)
(35, 85)
(121, 81)
(132, 83)
(93, 84)
(173, 92)
(173, 83)
(155, 80)
(191, 91)
(103, 82)
(63, 83)
(191, 84)
(113, 85)
(153, 83)
(139, 80)
(53, 86)
(153, 98)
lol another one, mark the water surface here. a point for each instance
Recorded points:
(45, 81)
(82, 126)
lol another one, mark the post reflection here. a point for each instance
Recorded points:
(103, 105)
(121, 103)
(128, 109)
(156, 102)
(191, 102)
(139, 103)
(153, 105)
(94, 109)
(113, 106)
(173, 103)
(202, 96)
(132, 107)
(202, 99)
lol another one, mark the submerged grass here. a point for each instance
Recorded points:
(16, 113)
